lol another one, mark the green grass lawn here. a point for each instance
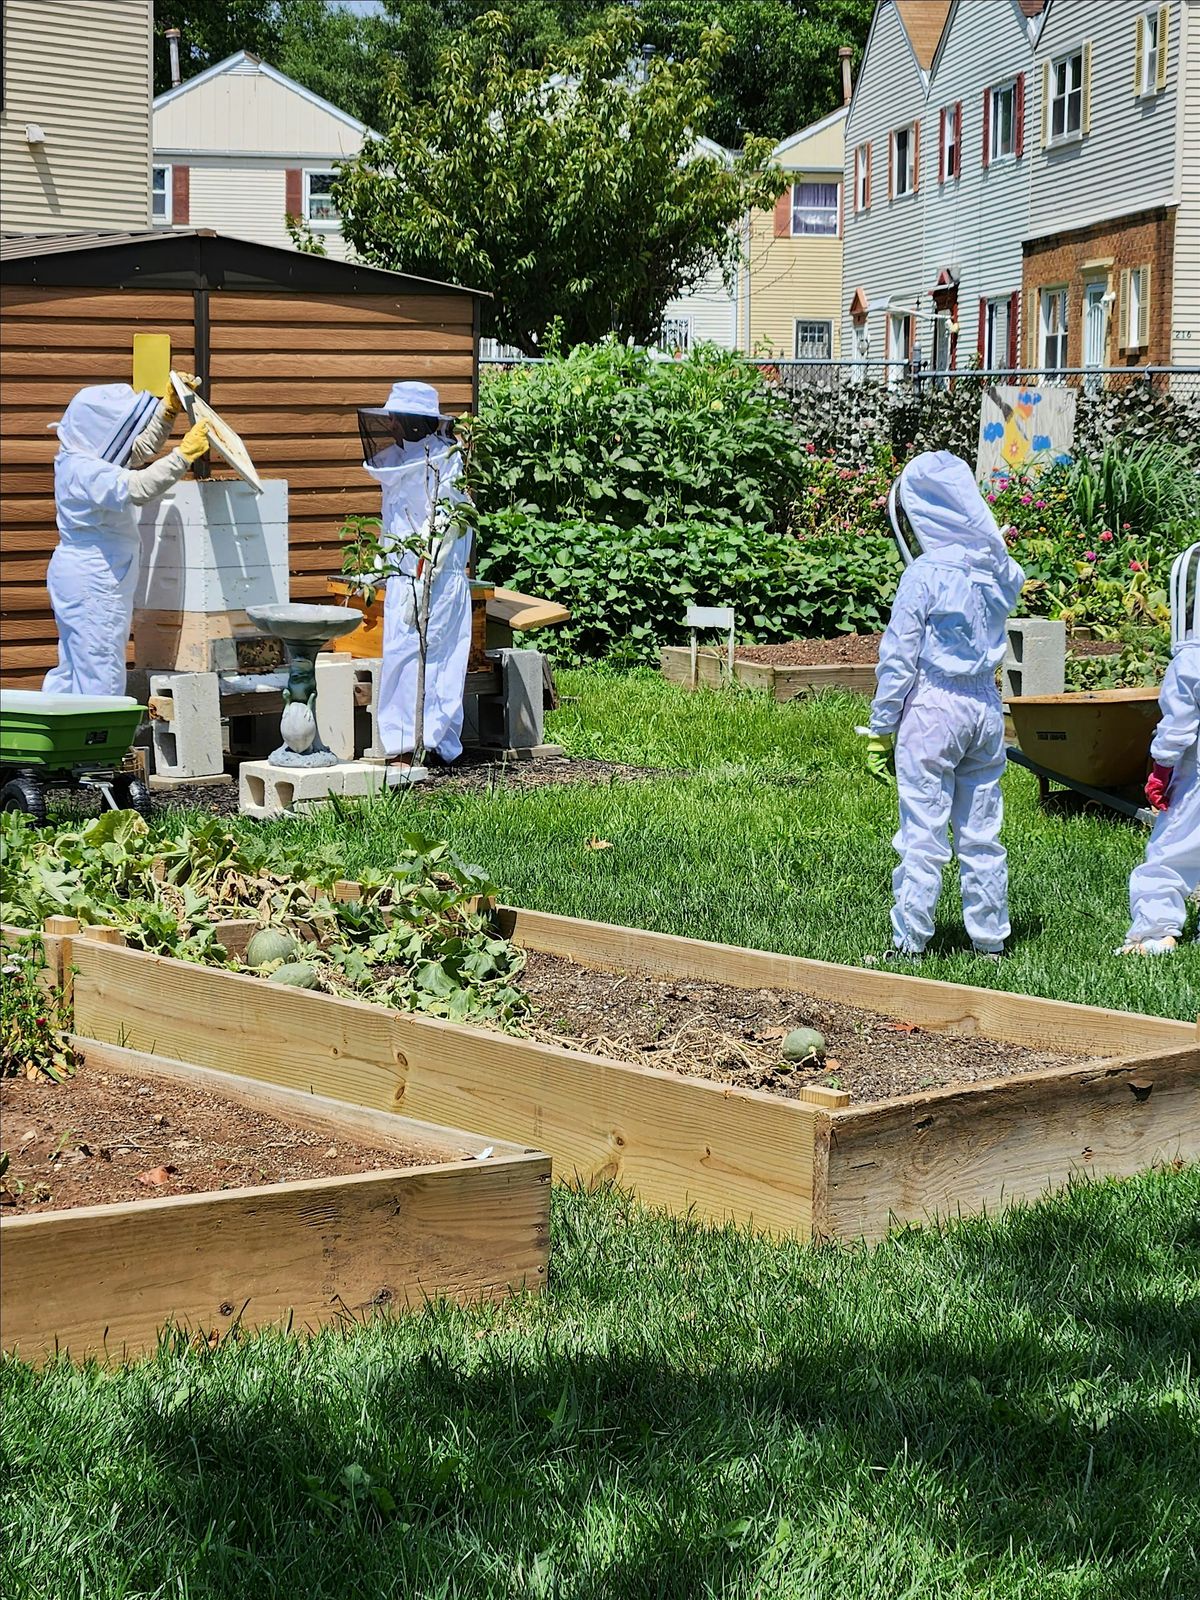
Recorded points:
(767, 832)
(997, 1410)
(1000, 1411)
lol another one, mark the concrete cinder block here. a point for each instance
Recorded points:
(265, 790)
(335, 705)
(523, 695)
(367, 672)
(188, 743)
(1035, 660)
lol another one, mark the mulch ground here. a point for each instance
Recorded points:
(862, 649)
(102, 1137)
(711, 1030)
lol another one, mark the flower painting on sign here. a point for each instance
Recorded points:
(1024, 429)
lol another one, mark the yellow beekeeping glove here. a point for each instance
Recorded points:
(194, 443)
(171, 400)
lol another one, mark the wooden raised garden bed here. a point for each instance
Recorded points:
(809, 1164)
(780, 682)
(436, 1213)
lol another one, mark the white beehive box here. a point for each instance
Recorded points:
(214, 545)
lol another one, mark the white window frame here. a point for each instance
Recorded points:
(813, 322)
(1148, 21)
(166, 169)
(862, 176)
(997, 360)
(822, 182)
(899, 360)
(1060, 294)
(1137, 280)
(996, 153)
(678, 325)
(909, 170)
(950, 144)
(319, 224)
(1063, 96)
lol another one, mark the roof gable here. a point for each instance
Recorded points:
(243, 64)
(923, 22)
(1019, 11)
(790, 145)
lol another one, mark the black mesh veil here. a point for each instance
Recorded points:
(379, 429)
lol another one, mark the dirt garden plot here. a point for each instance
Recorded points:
(1125, 1093)
(145, 1192)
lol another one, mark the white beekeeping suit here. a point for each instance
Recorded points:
(936, 695)
(419, 478)
(1159, 889)
(94, 569)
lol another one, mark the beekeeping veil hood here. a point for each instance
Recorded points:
(407, 426)
(936, 510)
(1185, 597)
(103, 421)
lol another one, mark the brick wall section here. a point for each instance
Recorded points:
(1145, 239)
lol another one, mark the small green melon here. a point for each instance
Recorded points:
(804, 1044)
(267, 945)
(296, 974)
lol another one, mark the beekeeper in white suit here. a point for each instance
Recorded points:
(936, 720)
(409, 450)
(104, 470)
(1160, 887)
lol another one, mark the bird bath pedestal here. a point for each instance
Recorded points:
(303, 630)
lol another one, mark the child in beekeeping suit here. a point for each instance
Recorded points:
(1159, 889)
(104, 470)
(937, 725)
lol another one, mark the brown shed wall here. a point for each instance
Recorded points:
(287, 370)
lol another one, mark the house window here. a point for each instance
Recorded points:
(900, 345)
(1004, 121)
(814, 339)
(1150, 67)
(160, 195)
(943, 341)
(1135, 308)
(318, 199)
(676, 335)
(1054, 329)
(862, 177)
(1066, 97)
(951, 136)
(996, 335)
(904, 142)
(815, 208)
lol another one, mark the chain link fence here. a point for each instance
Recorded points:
(849, 408)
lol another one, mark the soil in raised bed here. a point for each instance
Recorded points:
(104, 1136)
(733, 1035)
(862, 649)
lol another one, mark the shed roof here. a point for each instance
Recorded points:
(923, 21)
(194, 258)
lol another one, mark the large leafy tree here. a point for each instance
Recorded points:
(572, 191)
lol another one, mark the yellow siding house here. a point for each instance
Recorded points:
(791, 290)
(75, 123)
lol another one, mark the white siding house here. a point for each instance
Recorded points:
(887, 170)
(240, 147)
(707, 314)
(75, 116)
(1185, 313)
(979, 129)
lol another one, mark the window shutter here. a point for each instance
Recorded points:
(987, 127)
(1139, 53)
(783, 214)
(1087, 87)
(1123, 312)
(887, 335)
(1045, 104)
(981, 342)
(181, 195)
(1014, 319)
(912, 336)
(1164, 39)
(1020, 116)
(891, 166)
(916, 156)
(1143, 327)
(293, 192)
(942, 145)
(867, 187)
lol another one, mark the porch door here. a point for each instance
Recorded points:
(1095, 319)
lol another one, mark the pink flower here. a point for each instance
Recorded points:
(1002, 484)
(991, 499)
(1039, 505)
(1026, 499)
(1136, 566)
(1089, 555)
(811, 448)
(1126, 526)
(1106, 537)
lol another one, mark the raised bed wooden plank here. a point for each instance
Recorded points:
(952, 1007)
(967, 1150)
(783, 682)
(727, 1154)
(104, 1279)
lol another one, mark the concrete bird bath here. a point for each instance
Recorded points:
(303, 630)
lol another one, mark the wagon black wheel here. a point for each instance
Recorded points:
(27, 794)
(133, 794)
